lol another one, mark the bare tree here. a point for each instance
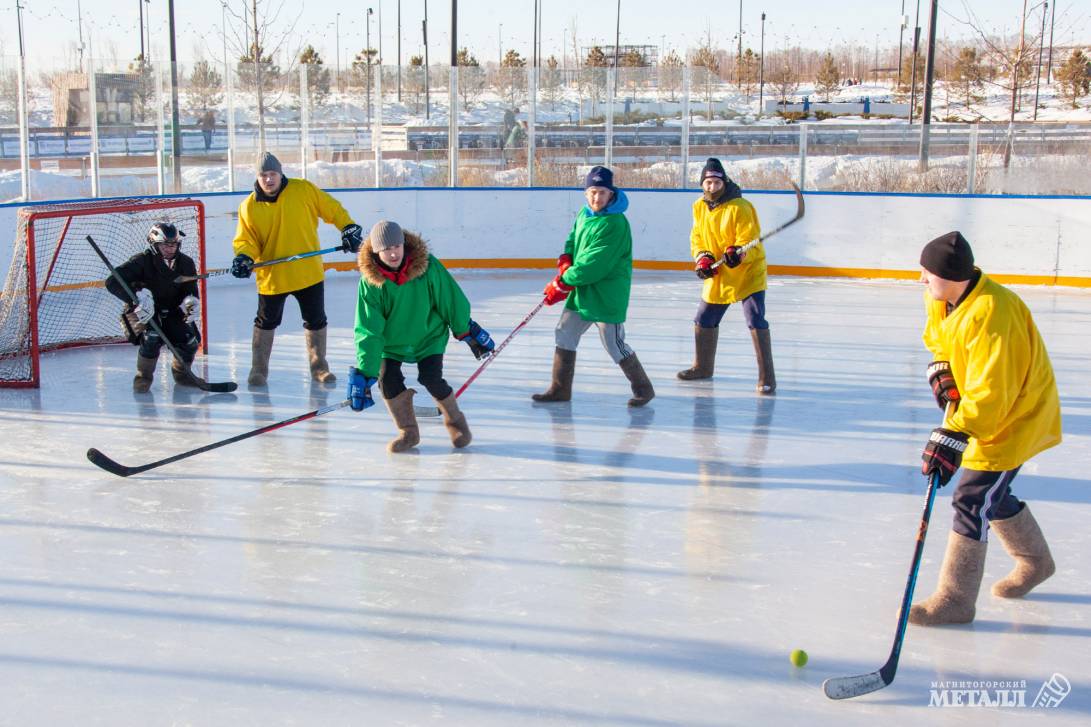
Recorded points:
(471, 78)
(708, 60)
(784, 82)
(414, 81)
(670, 74)
(748, 72)
(552, 82)
(256, 45)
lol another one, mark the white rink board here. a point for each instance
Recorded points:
(1010, 235)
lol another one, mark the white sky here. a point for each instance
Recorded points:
(51, 28)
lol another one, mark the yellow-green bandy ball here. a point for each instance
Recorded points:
(798, 657)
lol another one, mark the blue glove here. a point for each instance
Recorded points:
(359, 393)
(351, 238)
(242, 266)
(479, 340)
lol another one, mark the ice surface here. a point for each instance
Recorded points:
(579, 563)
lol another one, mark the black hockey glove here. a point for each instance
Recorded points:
(242, 266)
(733, 256)
(943, 384)
(943, 454)
(351, 238)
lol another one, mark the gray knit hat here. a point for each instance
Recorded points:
(384, 234)
(267, 162)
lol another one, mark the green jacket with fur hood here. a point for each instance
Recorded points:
(406, 319)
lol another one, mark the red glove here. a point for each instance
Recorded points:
(557, 290)
(704, 267)
(564, 262)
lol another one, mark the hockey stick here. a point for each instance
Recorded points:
(196, 380)
(434, 412)
(800, 210)
(854, 686)
(101, 460)
(263, 264)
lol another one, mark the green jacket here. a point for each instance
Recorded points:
(601, 246)
(406, 319)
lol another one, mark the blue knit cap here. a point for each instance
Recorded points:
(599, 177)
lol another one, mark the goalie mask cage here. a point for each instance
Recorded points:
(54, 295)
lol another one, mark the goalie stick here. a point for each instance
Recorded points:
(263, 264)
(113, 467)
(434, 411)
(855, 686)
(800, 210)
(197, 381)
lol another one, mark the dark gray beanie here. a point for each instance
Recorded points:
(267, 162)
(949, 257)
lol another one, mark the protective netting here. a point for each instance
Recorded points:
(54, 296)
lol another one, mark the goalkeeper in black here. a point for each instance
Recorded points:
(176, 307)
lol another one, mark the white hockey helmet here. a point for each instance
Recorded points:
(163, 232)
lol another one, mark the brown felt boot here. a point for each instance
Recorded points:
(316, 354)
(182, 372)
(262, 348)
(145, 372)
(401, 411)
(642, 387)
(705, 340)
(1023, 539)
(955, 599)
(763, 351)
(455, 421)
(564, 369)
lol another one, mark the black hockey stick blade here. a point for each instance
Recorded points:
(848, 687)
(99, 459)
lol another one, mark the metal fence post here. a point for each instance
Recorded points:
(159, 130)
(92, 91)
(971, 175)
(377, 131)
(452, 127)
(803, 128)
(24, 132)
(532, 118)
(304, 119)
(685, 127)
(611, 83)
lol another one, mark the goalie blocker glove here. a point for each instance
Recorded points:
(944, 388)
(359, 389)
(479, 340)
(943, 454)
(352, 236)
(704, 267)
(242, 266)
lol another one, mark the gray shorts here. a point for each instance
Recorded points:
(572, 326)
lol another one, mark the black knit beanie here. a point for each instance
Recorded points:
(949, 257)
(713, 168)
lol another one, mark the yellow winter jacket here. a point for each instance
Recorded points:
(287, 226)
(731, 223)
(1009, 407)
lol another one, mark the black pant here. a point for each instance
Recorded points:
(183, 336)
(312, 307)
(981, 497)
(429, 374)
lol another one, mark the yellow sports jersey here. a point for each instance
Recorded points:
(731, 223)
(1009, 405)
(285, 227)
